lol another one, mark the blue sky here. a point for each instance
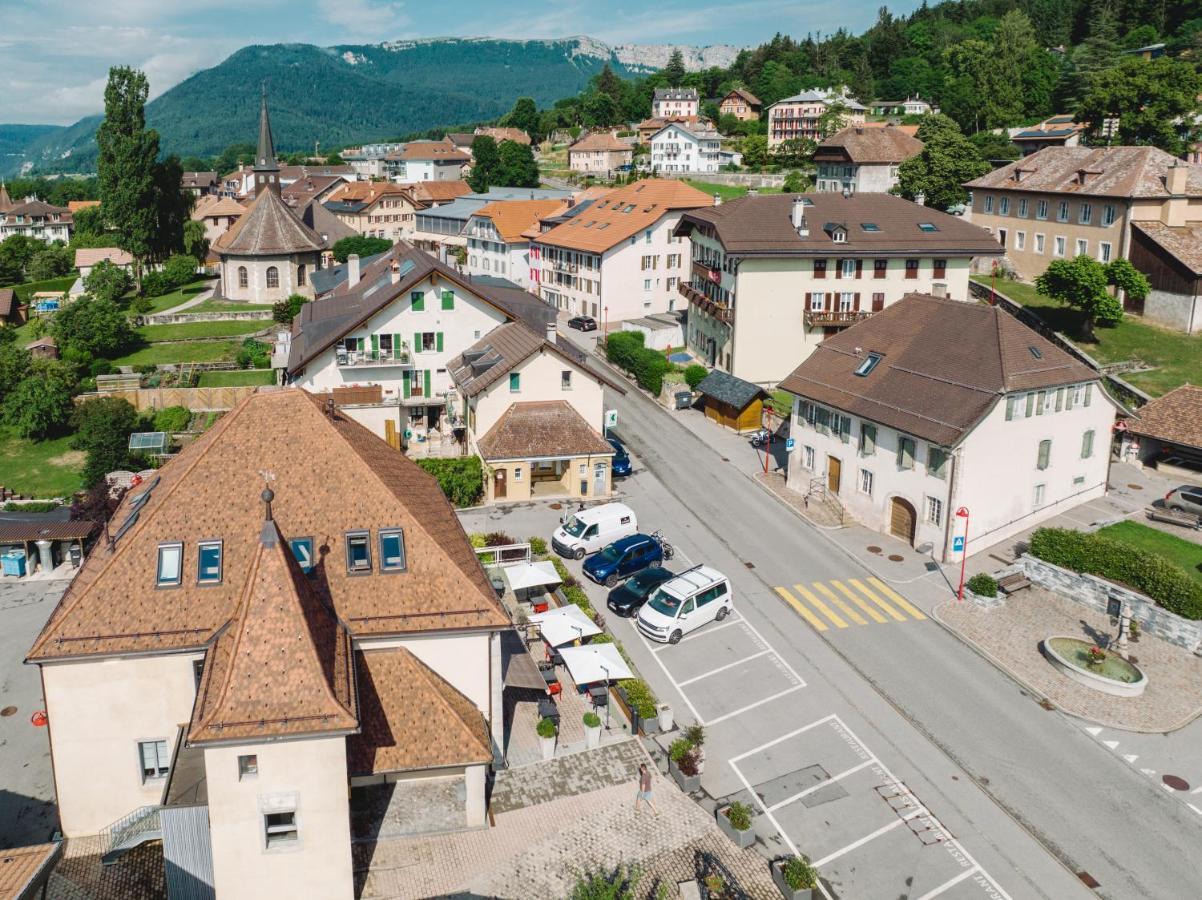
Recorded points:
(56, 53)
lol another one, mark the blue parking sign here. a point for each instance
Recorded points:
(958, 544)
(789, 444)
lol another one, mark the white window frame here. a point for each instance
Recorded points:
(1003, 206)
(365, 536)
(166, 550)
(1041, 209)
(162, 759)
(1108, 215)
(1062, 211)
(989, 203)
(1020, 240)
(1085, 213)
(1082, 247)
(247, 768)
(201, 576)
(866, 482)
(933, 514)
(817, 301)
(385, 564)
(1040, 242)
(1059, 246)
(1022, 207)
(1105, 249)
(809, 458)
(1039, 496)
(282, 841)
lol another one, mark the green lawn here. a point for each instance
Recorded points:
(225, 306)
(1176, 356)
(237, 378)
(193, 351)
(181, 295)
(1183, 553)
(158, 333)
(40, 469)
(25, 291)
(728, 191)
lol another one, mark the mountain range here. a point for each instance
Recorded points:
(352, 92)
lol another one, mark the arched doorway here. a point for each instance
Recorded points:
(901, 519)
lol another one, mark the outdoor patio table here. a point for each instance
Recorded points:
(600, 694)
(548, 710)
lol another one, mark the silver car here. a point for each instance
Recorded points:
(1187, 498)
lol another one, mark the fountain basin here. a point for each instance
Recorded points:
(1115, 675)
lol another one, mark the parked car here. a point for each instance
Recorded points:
(693, 598)
(623, 558)
(583, 323)
(628, 598)
(621, 461)
(587, 532)
(1187, 499)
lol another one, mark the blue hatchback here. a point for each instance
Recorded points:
(621, 461)
(622, 558)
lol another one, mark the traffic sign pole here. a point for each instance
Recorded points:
(962, 513)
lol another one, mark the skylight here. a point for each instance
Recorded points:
(1036, 352)
(928, 227)
(869, 363)
(870, 226)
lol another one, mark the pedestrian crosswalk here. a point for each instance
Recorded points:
(848, 602)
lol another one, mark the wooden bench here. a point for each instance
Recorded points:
(1186, 520)
(1012, 583)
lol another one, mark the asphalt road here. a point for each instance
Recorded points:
(1091, 811)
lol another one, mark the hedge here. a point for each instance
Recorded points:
(1149, 573)
(461, 478)
(983, 585)
(625, 349)
(641, 697)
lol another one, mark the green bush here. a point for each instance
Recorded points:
(546, 728)
(1149, 573)
(577, 597)
(641, 697)
(477, 540)
(461, 478)
(538, 546)
(694, 374)
(621, 347)
(591, 720)
(983, 585)
(31, 506)
(739, 815)
(679, 748)
(626, 351)
(172, 419)
(799, 874)
(618, 884)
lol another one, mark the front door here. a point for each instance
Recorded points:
(901, 520)
(834, 471)
(498, 484)
(599, 480)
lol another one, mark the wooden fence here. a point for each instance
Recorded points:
(201, 399)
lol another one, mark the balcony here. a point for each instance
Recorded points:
(352, 359)
(834, 318)
(714, 308)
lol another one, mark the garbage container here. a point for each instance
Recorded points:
(13, 563)
(76, 555)
(684, 399)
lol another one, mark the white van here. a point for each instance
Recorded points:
(693, 598)
(587, 532)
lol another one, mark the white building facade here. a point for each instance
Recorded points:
(677, 150)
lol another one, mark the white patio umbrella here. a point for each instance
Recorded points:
(564, 624)
(595, 662)
(531, 575)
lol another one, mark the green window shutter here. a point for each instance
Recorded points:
(396, 346)
(1059, 399)
(448, 300)
(1087, 444)
(427, 383)
(360, 344)
(1088, 393)
(905, 453)
(438, 341)
(419, 300)
(417, 342)
(405, 383)
(867, 439)
(1040, 402)
(1045, 453)
(1030, 404)
(375, 345)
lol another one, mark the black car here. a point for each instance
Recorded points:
(626, 599)
(583, 323)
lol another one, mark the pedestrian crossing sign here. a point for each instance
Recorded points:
(958, 544)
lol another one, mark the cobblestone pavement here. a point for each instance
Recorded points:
(523, 745)
(567, 776)
(1011, 633)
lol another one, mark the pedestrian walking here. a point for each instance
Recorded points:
(644, 791)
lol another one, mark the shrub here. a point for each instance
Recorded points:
(618, 884)
(640, 697)
(799, 874)
(694, 374)
(625, 350)
(622, 346)
(538, 546)
(172, 419)
(678, 749)
(1149, 573)
(592, 720)
(100, 367)
(155, 284)
(498, 539)
(689, 763)
(461, 478)
(546, 728)
(102, 429)
(289, 308)
(178, 270)
(695, 735)
(983, 585)
(476, 539)
(577, 597)
(33, 506)
(739, 815)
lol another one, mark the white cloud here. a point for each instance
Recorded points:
(365, 20)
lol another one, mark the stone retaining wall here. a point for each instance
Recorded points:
(1097, 593)
(184, 318)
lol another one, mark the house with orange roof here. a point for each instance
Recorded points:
(427, 161)
(742, 104)
(505, 134)
(617, 258)
(496, 239)
(218, 215)
(381, 209)
(599, 153)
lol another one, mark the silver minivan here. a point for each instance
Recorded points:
(695, 597)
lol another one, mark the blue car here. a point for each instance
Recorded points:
(622, 558)
(621, 461)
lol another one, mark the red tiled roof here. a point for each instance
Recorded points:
(1175, 418)
(1135, 172)
(542, 428)
(624, 212)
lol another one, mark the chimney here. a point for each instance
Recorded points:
(717, 199)
(551, 332)
(395, 271)
(1176, 177)
(798, 217)
(352, 270)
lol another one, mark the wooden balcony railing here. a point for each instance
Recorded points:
(718, 310)
(834, 318)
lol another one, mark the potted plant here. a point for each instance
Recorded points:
(715, 886)
(795, 877)
(735, 823)
(1096, 656)
(592, 730)
(683, 766)
(546, 737)
(695, 735)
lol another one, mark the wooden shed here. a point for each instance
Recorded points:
(731, 401)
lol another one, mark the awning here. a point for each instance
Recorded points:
(595, 662)
(517, 666)
(11, 531)
(531, 575)
(564, 625)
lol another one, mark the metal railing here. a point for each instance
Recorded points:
(127, 832)
(507, 555)
(714, 308)
(350, 358)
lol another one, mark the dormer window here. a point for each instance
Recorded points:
(839, 236)
(869, 363)
(171, 565)
(358, 552)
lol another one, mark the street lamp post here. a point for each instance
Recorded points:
(962, 513)
(605, 669)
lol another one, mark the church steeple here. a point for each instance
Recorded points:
(267, 170)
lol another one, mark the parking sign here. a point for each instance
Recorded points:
(789, 444)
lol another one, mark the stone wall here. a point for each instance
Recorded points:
(1098, 594)
(184, 318)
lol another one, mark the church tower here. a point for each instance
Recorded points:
(267, 170)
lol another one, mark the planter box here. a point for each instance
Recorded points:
(592, 737)
(548, 746)
(687, 783)
(649, 726)
(787, 892)
(741, 838)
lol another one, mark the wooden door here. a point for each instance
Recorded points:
(498, 484)
(901, 520)
(834, 473)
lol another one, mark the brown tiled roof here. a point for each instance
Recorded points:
(411, 718)
(542, 428)
(21, 867)
(268, 227)
(1182, 242)
(6, 302)
(623, 213)
(596, 192)
(89, 256)
(283, 664)
(366, 191)
(944, 364)
(438, 191)
(513, 217)
(332, 476)
(752, 99)
(911, 130)
(210, 206)
(1176, 417)
(1136, 172)
(868, 145)
(304, 189)
(461, 138)
(198, 179)
(597, 141)
(506, 134)
(438, 150)
(50, 531)
(6, 202)
(76, 205)
(762, 226)
(38, 208)
(292, 173)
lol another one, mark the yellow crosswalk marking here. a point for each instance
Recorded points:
(846, 610)
(858, 601)
(819, 605)
(896, 598)
(802, 609)
(862, 588)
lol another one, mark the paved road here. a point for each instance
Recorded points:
(1093, 811)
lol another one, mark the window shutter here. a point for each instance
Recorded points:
(396, 346)
(438, 341)
(417, 342)
(405, 383)
(419, 300)
(448, 300)
(1087, 444)
(1030, 404)
(838, 268)
(830, 300)
(856, 301)
(1059, 399)
(375, 345)
(1010, 404)
(1045, 452)
(1040, 402)
(427, 383)
(1088, 393)
(859, 269)
(845, 429)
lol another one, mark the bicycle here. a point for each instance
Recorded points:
(664, 546)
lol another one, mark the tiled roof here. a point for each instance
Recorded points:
(210, 206)
(268, 227)
(506, 134)
(700, 131)
(439, 191)
(38, 208)
(675, 93)
(1182, 242)
(750, 98)
(730, 390)
(868, 145)
(623, 213)
(282, 667)
(89, 256)
(821, 97)
(21, 866)
(33, 530)
(495, 354)
(411, 718)
(332, 476)
(6, 302)
(304, 189)
(542, 428)
(911, 130)
(512, 217)
(198, 179)
(6, 202)
(1135, 172)
(76, 205)
(1175, 418)
(324, 224)
(442, 151)
(461, 138)
(576, 204)
(599, 141)
(292, 173)
(762, 226)
(944, 364)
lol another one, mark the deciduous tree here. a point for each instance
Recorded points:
(102, 429)
(485, 160)
(1155, 102)
(99, 327)
(947, 160)
(107, 282)
(40, 405)
(1083, 283)
(516, 166)
(360, 245)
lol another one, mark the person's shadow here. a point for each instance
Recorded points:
(1100, 638)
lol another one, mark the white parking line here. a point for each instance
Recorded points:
(822, 784)
(950, 883)
(704, 632)
(668, 675)
(780, 740)
(737, 662)
(855, 845)
(750, 706)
